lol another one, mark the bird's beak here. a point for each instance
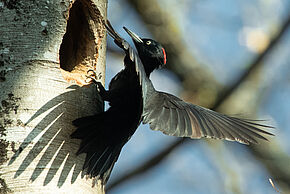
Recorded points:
(134, 36)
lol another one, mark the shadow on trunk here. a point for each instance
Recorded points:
(54, 138)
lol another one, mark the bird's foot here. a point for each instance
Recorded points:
(91, 77)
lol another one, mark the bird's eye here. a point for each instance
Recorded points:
(148, 42)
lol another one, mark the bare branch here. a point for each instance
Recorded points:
(254, 65)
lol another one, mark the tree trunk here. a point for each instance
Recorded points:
(46, 48)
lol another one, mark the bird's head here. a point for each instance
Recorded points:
(151, 53)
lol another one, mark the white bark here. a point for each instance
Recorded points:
(38, 103)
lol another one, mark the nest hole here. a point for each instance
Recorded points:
(78, 46)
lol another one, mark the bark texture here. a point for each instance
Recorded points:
(46, 48)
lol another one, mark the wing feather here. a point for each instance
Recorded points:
(181, 123)
(173, 120)
(237, 132)
(187, 128)
(173, 116)
(220, 133)
(212, 130)
(160, 122)
(227, 135)
(165, 115)
(236, 135)
(199, 124)
(245, 128)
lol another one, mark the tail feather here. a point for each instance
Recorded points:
(101, 152)
(97, 163)
(86, 126)
(100, 163)
(85, 120)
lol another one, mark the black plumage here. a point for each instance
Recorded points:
(133, 100)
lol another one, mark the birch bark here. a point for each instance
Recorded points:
(46, 48)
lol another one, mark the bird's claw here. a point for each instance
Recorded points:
(91, 76)
(99, 85)
(90, 79)
(92, 71)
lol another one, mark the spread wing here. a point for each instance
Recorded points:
(175, 117)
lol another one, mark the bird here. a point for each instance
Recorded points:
(134, 100)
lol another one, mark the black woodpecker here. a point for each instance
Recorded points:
(133, 99)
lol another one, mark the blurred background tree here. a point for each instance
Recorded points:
(232, 56)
